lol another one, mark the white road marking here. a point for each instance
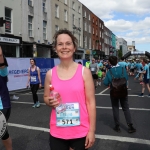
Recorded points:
(123, 139)
(31, 103)
(28, 127)
(103, 137)
(109, 94)
(103, 91)
(142, 109)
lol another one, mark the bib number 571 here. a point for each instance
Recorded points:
(67, 121)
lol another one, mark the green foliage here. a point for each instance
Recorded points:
(120, 53)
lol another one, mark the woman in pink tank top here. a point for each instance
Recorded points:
(74, 127)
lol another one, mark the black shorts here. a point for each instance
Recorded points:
(146, 81)
(62, 144)
(95, 76)
(132, 70)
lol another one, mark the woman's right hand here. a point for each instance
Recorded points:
(50, 101)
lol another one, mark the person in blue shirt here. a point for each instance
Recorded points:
(100, 64)
(122, 63)
(146, 77)
(117, 73)
(5, 104)
(34, 79)
(132, 67)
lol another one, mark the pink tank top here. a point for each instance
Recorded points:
(71, 91)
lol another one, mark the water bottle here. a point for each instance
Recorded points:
(56, 96)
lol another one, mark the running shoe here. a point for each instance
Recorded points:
(148, 95)
(34, 106)
(117, 128)
(141, 95)
(37, 104)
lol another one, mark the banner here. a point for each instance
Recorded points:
(44, 64)
(18, 73)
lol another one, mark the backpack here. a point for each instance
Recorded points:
(118, 86)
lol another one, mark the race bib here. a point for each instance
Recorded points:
(69, 117)
(92, 69)
(33, 78)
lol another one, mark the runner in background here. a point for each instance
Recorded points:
(34, 80)
(87, 64)
(75, 85)
(94, 70)
(5, 106)
(146, 78)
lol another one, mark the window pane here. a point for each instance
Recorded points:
(8, 12)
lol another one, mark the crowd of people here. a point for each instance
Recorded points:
(77, 131)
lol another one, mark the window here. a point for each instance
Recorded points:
(100, 25)
(79, 22)
(96, 32)
(96, 22)
(79, 9)
(44, 30)
(85, 42)
(56, 28)
(66, 2)
(66, 15)
(85, 26)
(73, 5)
(93, 20)
(30, 3)
(85, 14)
(30, 26)
(89, 17)
(89, 43)
(8, 22)
(44, 8)
(100, 34)
(89, 29)
(93, 30)
(56, 11)
(79, 40)
(73, 19)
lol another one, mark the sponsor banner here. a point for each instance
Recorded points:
(17, 73)
(44, 64)
(138, 53)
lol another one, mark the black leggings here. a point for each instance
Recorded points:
(34, 89)
(62, 144)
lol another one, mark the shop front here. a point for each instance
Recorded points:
(36, 50)
(10, 45)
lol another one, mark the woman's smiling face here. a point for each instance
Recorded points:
(65, 47)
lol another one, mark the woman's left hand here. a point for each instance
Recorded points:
(90, 139)
(40, 85)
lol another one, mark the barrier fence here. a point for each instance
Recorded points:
(18, 70)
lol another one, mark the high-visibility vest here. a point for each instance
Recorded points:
(87, 64)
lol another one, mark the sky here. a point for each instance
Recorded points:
(128, 19)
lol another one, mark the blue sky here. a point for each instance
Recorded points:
(128, 19)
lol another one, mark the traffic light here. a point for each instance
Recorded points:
(1, 21)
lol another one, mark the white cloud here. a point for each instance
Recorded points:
(105, 8)
(131, 30)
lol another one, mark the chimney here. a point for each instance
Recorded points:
(133, 43)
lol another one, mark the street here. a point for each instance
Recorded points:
(29, 127)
